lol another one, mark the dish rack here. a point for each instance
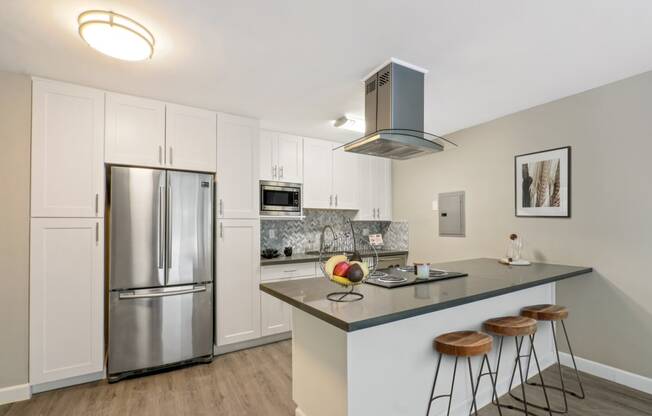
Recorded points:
(344, 240)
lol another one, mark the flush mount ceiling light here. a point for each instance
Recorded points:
(350, 123)
(116, 35)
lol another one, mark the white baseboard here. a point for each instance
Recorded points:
(634, 381)
(15, 393)
(67, 382)
(225, 349)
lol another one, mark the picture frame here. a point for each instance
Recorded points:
(542, 183)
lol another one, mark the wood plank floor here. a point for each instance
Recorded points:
(257, 382)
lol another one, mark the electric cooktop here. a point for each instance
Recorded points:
(405, 276)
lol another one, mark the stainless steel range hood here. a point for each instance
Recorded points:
(394, 115)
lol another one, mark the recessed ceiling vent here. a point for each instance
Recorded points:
(394, 115)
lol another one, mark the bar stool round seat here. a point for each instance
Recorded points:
(545, 312)
(463, 343)
(511, 326)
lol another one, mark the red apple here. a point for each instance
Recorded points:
(341, 268)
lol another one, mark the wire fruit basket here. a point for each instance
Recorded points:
(351, 257)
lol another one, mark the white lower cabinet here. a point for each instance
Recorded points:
(66, 298)
(275, 315)
(237, 280)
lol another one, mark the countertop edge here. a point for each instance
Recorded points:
(368, 323)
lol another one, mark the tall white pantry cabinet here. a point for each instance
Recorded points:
(67, 232)
(238, 230)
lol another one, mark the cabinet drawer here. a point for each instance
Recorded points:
(284, 271)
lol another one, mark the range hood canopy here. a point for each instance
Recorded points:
(394, 115)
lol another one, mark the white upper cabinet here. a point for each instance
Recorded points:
(135, 131)
(345, 179)
(317, 174)
(268, 166)
(237, 279)
(66, 298)
(237, 167)
(190, 138)
(381, 171)
(281, 157)
(290, 158)
(67, 150)
(375, 189)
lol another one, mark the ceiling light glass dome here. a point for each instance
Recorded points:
(116, 35)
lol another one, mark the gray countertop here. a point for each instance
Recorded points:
(486, 278)
(307, 258)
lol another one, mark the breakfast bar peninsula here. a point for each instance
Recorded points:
(375, 356)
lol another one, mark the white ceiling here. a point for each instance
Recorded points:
(296, 64)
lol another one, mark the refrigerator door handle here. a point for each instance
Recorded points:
(169, 231)
(141, 295)
(161, 229)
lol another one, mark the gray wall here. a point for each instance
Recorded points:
(15, 124)
(610, 131)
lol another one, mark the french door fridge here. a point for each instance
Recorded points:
(160, 269)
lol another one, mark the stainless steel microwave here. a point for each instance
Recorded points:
(280, 198)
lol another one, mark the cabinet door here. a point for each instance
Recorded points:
(317, 174)
(135, 131)
(275, 315)
(67, 150)
(366, 197)
(345, 179)
(268, 155)
(237, 167)
(66, 298)
(190, 138)
(290, 158)
(382, 185)
(237, 280)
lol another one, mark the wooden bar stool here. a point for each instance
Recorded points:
(463, 344)
(553, 314)
(518, 327)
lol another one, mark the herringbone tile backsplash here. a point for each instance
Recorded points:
(303, 235)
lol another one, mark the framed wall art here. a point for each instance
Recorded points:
(542, 182)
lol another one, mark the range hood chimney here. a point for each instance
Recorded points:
(394, 115)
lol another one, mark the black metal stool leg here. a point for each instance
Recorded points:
(540, 384)
(562, 388)
(434, 383)
(582, 395)
(474, 389)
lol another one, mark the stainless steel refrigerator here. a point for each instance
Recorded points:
(160, 270)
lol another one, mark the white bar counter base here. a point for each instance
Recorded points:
(388, 370)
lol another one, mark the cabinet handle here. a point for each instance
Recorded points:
(374, 212)
(274, 172)
(330, 201)
(97, 204)
(221, 207)
(160, 154)
(335, 200)
(281, 172)
(289, 271)
(378, 211)
(97, 233)
(221, 230)
(170, 155)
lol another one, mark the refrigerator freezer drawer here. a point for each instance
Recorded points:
(155, 327)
